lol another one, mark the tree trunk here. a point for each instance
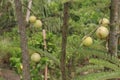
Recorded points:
(64, 40)
(114, 27)
(119, 24)
(23, 39)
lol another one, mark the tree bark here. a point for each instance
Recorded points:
(114, 27)
(119, 23)
(23, 39)
(64, 40)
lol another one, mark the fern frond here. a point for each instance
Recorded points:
(99, 76)
(100, 54)
(89, 67)
(109, 58)
(104, 63)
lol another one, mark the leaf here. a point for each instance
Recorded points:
(89, 67)
(104, 63)
(64, 1)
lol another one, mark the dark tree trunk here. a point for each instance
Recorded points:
(25, 54)
(64, 40)
(119, 24)
(114, 27)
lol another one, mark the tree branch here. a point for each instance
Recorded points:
(28, 10)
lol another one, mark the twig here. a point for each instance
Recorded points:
(28, 9)
(45, 48)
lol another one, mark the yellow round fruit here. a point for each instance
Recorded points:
(102, 32)
(21, 66)
(87, 41)
(38, 23)
(104, 22)
(35, 57)
(32, 19)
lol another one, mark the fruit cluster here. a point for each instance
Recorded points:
(102, 32)
(37, 23)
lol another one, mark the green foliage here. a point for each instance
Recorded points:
(101, 69)
(84, 17)
(7, 18)
(35, 71)
(5, 44)
(84, 13)
(36, 40)
(89, 67)
(2, 78)
(104, 63)
(100, 76)
(50, 56)
(16, 63)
